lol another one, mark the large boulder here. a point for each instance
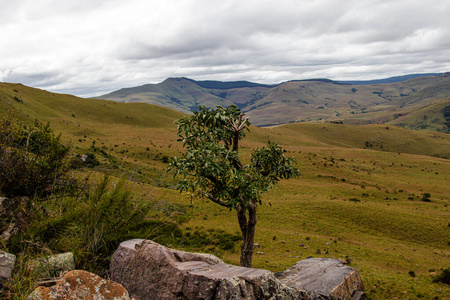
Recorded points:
(80, 284)
(7, 262)
(151, 271)
(329, 278)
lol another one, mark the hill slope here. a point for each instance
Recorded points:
(79, 116)
(70, 112)
(180, 94)
(297, 101)
(390, 79)
(359, 196)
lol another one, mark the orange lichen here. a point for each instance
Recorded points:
(80, 284)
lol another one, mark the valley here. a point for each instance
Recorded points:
(360, 196)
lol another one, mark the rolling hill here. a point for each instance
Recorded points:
(78, 117)
(359, 197)
(317, 100)
(390, 79)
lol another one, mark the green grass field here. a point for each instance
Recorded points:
(359, 197)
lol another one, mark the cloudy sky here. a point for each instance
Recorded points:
(91, 47)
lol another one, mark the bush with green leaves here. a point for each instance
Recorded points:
(33, 160)
(108, 216)
(443, 277)
(93, 224)
(88, 160)
(426, 197)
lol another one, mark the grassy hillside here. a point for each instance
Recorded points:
(180, 94)
(434, 116)
(390, 79)
(360, 196)
(297, 101)
(374, 137)
(308, 101)
(30, 103)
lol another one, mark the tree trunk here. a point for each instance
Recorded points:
(247, 227)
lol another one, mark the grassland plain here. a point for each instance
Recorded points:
(359, 197)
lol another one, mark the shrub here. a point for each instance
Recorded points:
(108, 217)
(426, 197)
(91, 225)
(444, 277)
(32, 160)
(91, 160)
(18, 99)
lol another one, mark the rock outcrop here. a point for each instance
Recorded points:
(151, 271)
(80, 284)
(329, 278)
(7, 262)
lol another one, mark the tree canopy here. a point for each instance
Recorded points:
(211, 166)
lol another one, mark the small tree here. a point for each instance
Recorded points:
(211, 167)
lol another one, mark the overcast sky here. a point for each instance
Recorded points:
(91, 47)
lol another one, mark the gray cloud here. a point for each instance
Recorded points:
(93, 47)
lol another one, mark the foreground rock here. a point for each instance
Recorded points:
(7, 262)
(8, 208)
(151, 271)
(81, 285)
(329, 278)
(53, 265)
(8, 219)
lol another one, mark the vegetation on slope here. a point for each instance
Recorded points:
(433, 117)
(353, 201)
(87, 216)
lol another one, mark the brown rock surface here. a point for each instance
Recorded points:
(329, 278)
(151, 271)
(80, 284)
(7, 262)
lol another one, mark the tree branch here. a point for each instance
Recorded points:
(236, 126)
(215, 200)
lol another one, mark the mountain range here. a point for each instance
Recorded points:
(393, 100)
